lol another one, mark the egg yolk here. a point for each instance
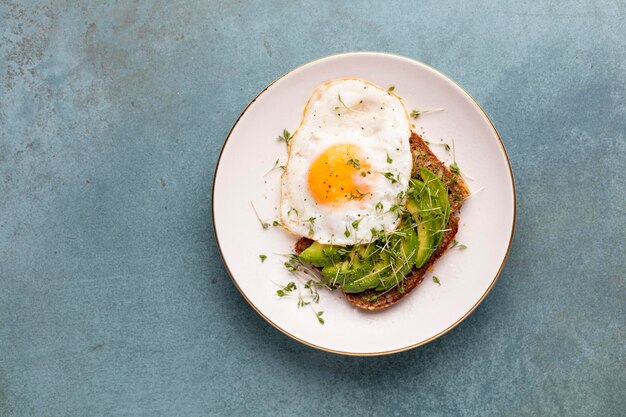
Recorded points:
(340, 174)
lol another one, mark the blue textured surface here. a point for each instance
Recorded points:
(113, 298)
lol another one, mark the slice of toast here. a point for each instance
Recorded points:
(457, 193)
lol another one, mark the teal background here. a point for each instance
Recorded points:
(113, 297)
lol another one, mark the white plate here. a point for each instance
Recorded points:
(487, 218)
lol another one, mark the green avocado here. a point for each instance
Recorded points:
(321, 255)
(438, 190)
(427, 242)
(430, 208)
(372, 278)
(357, 264)
(404, 247)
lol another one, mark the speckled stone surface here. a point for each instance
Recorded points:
(113, 298)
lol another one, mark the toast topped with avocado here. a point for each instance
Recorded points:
(378, 274)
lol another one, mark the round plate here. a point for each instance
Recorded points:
(244, 177)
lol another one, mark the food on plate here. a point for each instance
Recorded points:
(373, 206)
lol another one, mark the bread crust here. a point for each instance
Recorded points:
(457, 193)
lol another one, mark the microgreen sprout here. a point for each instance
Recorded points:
(356, 194)
(445, 145)
(276, 166)
(264, 224)
(416, 113)
(354, 162)
(344, 106)
(311, 222)
(319, 317)
(456, 244)
(390, 177)
(342, 103)
(284, 290)
(286, 137)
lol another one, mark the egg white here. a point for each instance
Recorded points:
(371, 118)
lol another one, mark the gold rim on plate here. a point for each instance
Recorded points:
(423, 342)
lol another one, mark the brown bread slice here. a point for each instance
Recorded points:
(457, 193)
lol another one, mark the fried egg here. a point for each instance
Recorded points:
(349, 164)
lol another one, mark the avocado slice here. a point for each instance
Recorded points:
(358, 264)
(425, 235)
(430, 208)
(427, 241)
(405, 251)
(439, 190)
(370, 279)
(321, 255)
